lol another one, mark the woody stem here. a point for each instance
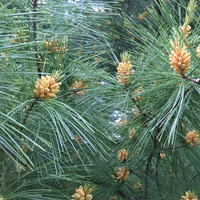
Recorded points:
(35, 4)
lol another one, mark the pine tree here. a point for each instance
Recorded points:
(48, 141)
(70, 130)
(157, 102)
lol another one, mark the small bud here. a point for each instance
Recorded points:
(142, 16)
(109, 23)
(162, 155)
(137, 185)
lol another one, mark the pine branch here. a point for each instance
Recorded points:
(35, 4)
(148, 166)
(138, 107)
(184, 145)
(42, 56)
(27, 113)
(132, 172)
(197, 81)
(157, 178)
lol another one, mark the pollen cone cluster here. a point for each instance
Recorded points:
(186, 30)
(122, 155)
(79, 139)
(189, 196)
(46, 87)
(193, 138)
(78, 89)
(123, 174)
(19, 37)
(136, 112)
(137, 91)
(198, 51)
(82, 194)
(137, 185)
(51, 46)
(180, 60)
(142, 16)
(191, 8)
(111, 198)
(162, 155)
(132, 133)
(122, 121)
(124, 69)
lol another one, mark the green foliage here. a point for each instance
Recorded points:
(51, 147)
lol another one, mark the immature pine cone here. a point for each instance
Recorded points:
(193, 138)
(189, 196)
(82, 194)
(122, 155)
(123, 174)
(180, 60)
(46, 87)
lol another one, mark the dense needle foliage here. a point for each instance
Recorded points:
(71, 130)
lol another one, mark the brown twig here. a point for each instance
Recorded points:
(158, 130)
(35, 4)
(27, 113)
(157, 167)
(197, 81)
(184, 145)
(132, 172)
(138, 107)
(148, 166)
(42, 56)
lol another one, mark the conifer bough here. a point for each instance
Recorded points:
(180, 57)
